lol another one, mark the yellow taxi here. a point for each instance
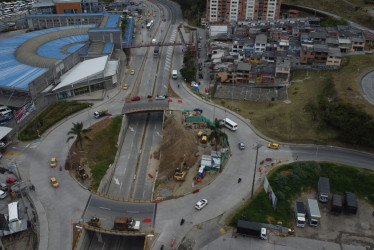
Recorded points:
(154, 15)
(53, 162)
(132, 72)
(125, 86)
(54, 182)
(273, 145)
(141, 18)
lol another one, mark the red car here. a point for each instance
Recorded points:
(135, 98)
(10, 180)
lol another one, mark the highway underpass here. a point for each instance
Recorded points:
(145, 105)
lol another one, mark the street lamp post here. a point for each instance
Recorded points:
(254, 174)
(71, 168)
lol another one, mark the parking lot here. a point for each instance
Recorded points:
(344, 228)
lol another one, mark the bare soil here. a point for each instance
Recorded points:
(179, 140)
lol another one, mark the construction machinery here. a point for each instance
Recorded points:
(81, 173)
(95, 222)
(179, 173)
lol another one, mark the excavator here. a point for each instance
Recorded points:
(179, 173)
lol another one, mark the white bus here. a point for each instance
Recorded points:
(13, 211)
(229, 124)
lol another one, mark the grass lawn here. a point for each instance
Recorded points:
(102, 149)
(48, 117)
(356, 11)
(289, 122)
(289, 181)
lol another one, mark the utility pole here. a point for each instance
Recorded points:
(254, 174)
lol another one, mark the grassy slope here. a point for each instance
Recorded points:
(294, 179)
(289, 122)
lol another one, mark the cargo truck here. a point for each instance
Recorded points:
(323, 189)
(300, 214)
(100, 113)
(249, 228)
(314, 214)
(126, 224)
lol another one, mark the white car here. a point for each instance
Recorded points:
(201, 204)
(160, 97)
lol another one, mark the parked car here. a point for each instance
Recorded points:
(10, 180)
(201, 204)
(3, 186)
(2, 194)
(135, 98)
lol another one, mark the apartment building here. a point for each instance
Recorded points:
(240, 10)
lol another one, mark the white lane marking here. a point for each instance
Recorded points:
(131, 129)
(105, 208)
(116, 180)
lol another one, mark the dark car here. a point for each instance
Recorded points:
(135, 98)
(201, 75)
(198, 110)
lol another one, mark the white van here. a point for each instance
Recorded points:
(175, 74)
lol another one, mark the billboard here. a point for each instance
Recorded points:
(269, 191)
(24, 111)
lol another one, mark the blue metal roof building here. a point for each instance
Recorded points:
(52, 49)
(113, 21)
(127, 36)
(13, 73)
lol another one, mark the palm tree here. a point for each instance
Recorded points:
(217, 132)
(78, 131)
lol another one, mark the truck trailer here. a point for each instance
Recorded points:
(300, 214)
(100, 113)
(314, 214)
(250, 228)
(323, 189)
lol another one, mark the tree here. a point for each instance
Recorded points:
(217, 132)
(78, 131)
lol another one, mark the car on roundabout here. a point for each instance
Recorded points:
(54, 182)
(201, 204)
(273, 145)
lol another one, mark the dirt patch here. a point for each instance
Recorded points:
(21, 240)
(180, 140)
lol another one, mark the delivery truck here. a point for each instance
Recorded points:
(126, 224)
(100, 113)
(323, 189)
(300, 214)
(314, 214)
(249, 228)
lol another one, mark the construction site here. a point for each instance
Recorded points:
(188, 160)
